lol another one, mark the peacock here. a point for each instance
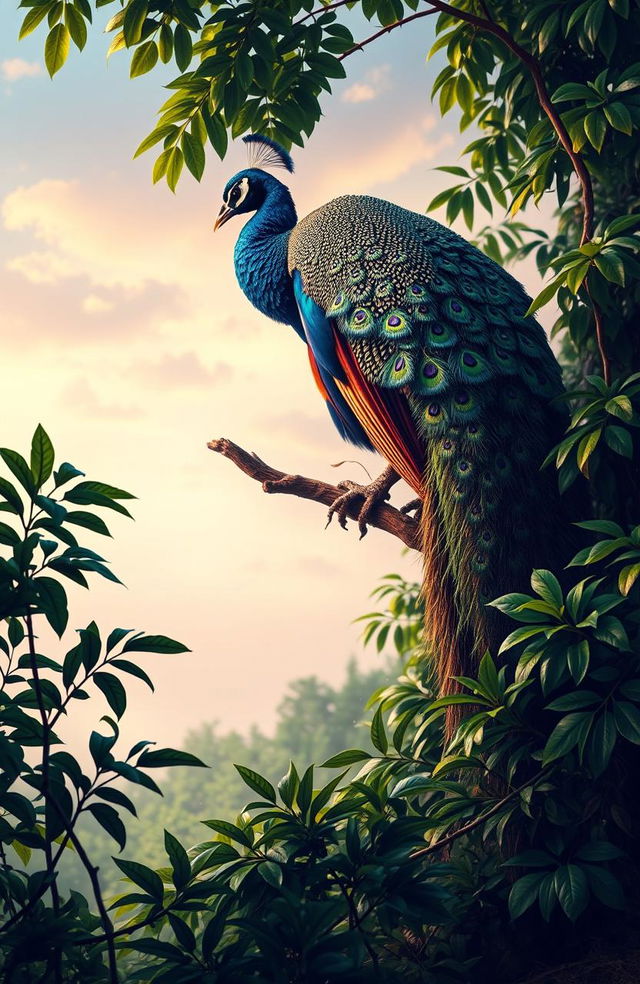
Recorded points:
(421, 348)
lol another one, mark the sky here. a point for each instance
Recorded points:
(125, 333)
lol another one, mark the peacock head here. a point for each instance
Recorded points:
(247, 190)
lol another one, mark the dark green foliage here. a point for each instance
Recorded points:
(45, 791)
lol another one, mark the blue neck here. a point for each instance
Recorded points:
(260, 257)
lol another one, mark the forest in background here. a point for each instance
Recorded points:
(314, 722)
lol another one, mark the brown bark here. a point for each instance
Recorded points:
(383, 516)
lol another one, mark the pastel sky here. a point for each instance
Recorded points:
(125, 333)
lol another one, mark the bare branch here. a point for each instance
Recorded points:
(383, 517)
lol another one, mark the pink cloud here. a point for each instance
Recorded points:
(13, 69)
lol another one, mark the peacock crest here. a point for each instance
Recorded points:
(264, 152)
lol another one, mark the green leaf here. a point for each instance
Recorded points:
(257, 782)
(193, 154)
(578, 660)
(572, 889)
(31, 21)
(305, 790)
(628, 577)
(548, 587)
(109, 820)
(229, 830)
(570, 731)
(183, 47)
(545, 295)
(271, 872)
(144, 59)
(596, 129)
(627, 720)
(216, 131)
(56, 48)
(76, 24)
(598, 850)
(180, 865)
(134, 18)
(42, 456)
(378, 733)
(610, 265)
(601, 743)
(524, 893)
(604, 886)
(349, 757)
(619, 440)
(144, 877)
(52, 600)
(153, 644)
(16, 463)
(160, 758)
(88, 521)
(619, 117)
(113, 690)
(175, 163)
(132, 669)
(8, 535)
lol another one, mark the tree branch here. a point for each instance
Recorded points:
(383, 517)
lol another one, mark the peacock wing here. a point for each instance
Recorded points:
(426, 342)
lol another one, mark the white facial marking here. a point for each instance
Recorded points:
(243, 185)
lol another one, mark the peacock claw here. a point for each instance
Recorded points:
(372, 495)
(414, 506)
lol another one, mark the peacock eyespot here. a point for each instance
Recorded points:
(438, 330)
(469, 360)
(456, 306)
(500, 352)
(434, 409)
(430, 370)
(399, 364)
(447, 445)
(462, 397)
(393, 321)
(359, 315)
(473, 428)
(416, 289)
(422, 308)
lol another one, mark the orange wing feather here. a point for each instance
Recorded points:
(385, 418)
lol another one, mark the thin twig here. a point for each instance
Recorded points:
(383, 517)
(468, 827)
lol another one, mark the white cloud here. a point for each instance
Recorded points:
(13, 69)
(94, 304)
(375, 165)
(359, 92)
(42, 266)
(115, 242)
(376, 82)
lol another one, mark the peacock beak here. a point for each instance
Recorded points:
(224, 215)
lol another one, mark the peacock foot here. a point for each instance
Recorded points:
(372, 495)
